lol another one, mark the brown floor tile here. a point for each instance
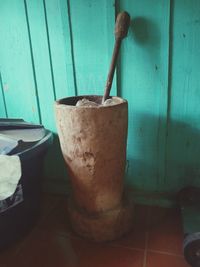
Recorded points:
(53, 244)
(57, 220)
(165, 234)
(45, 249)
(157, 215)
(48, 201)
(7, 255)
(141, 215)
(135, 238)
(89, 254)
(163, 260)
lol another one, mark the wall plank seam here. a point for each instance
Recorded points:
(169, 87)
(72, 47)
(118, 77)
(3, 96)
(49, 49)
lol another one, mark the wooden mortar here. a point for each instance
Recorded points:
(93, 142)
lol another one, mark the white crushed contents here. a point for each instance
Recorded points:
(87, 103)
(10, 175)
(110, 102)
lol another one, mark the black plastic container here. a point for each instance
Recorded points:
(19, 212)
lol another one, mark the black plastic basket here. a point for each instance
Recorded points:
(19, 212)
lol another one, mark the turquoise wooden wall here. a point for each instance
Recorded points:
(55, 48)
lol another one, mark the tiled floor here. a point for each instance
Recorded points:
(156, 241)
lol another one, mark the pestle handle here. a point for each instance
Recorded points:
(121, 29)
(122, 25)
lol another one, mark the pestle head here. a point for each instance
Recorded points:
(122, 25)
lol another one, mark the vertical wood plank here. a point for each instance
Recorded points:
(93, 38)
(60, 52)
(41, 61)
(183, 146)
(144, 83)
(16, 66)
(60, 47)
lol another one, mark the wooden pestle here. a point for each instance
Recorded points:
(121, 29)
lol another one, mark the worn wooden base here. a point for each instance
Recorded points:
(103, 226)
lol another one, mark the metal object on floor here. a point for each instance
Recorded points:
(189, 199)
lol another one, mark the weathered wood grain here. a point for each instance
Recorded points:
(183, 145)
(16, 65)
(93, 39)
(41, 61)
(144, 83)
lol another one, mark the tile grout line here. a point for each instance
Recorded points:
(126, 247)
(165, 253)
(146, 237)
(146, 247)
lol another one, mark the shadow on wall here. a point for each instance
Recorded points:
(146, 34)
(156, 162)
(145, 31)
(162, 162)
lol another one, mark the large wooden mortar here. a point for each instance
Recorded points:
(93, 142)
